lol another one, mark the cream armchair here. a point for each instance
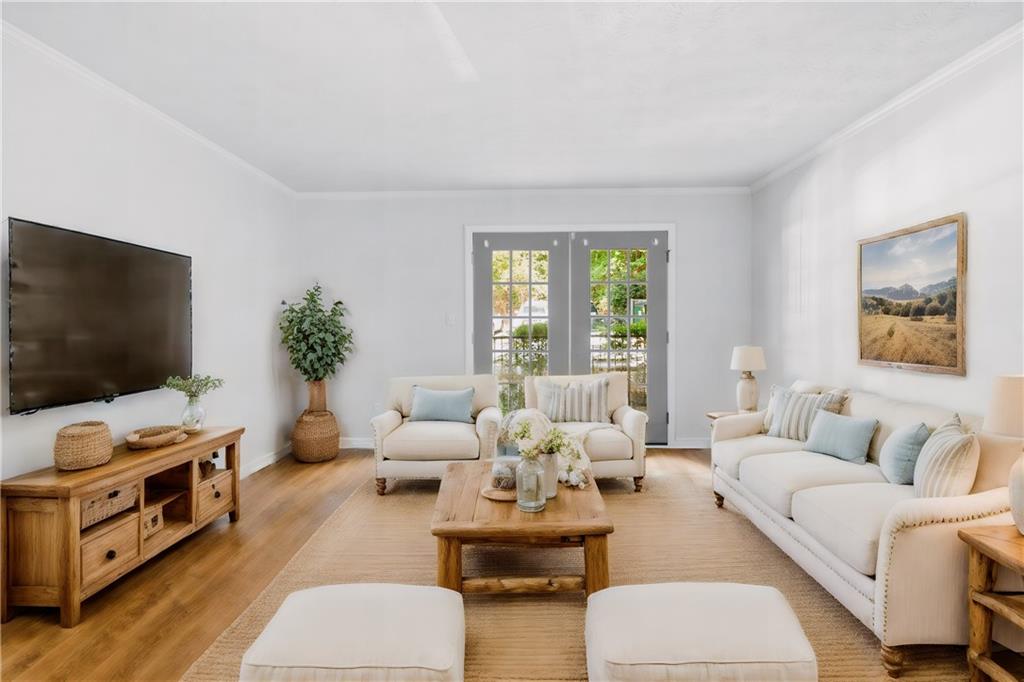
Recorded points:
(424, 449)
(614, 452)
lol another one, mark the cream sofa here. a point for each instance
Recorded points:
(614, 452)
(424, 449)
(893, 559)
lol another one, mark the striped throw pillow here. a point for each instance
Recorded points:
(948, 462)
(579, 401)
(793, 413)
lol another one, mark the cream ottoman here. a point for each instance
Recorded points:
(362, 631)
(695, 631)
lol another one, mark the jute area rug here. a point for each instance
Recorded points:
(670, 532)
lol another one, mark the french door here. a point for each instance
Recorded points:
(573, 303)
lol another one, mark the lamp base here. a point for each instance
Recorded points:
(1017, 493)
(746, 393)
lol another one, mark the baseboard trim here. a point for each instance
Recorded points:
(357, 442)
(251, 466)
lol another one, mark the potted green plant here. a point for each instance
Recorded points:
(318, 343)
(194, 387)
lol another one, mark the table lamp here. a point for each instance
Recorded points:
(1006, 418)
(747, 359)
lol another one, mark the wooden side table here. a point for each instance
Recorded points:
(990, 547)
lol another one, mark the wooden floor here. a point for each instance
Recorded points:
(154, 622)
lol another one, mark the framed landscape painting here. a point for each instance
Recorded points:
(911, 297)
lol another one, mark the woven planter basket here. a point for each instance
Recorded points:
(315, 437)
(83, 445)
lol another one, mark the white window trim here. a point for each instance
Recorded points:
(673, 335)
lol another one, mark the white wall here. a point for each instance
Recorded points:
(80, 154)
(398, 263)
(956, 148)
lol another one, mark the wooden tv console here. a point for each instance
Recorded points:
(49, 559)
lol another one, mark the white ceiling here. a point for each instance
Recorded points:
(330, 97)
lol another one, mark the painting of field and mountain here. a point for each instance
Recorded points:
(911, 297)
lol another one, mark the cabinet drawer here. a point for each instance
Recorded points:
(108, 551)
(108, 503)
(215, 496)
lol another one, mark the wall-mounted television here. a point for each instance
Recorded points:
(92, 318)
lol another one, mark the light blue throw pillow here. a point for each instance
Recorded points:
(429, 405)
(898, 456)
(841, 436)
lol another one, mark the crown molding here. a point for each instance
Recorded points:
(11, 32)
(535, 192)
(975, 57)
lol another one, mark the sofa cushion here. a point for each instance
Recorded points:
(774, 478)
(601, 444)
(793, 413)
(899, 452)
(727, 454)
(798, 386)
(585, 401)
(847, 519)
(618, 387)
(429, 405)
(948, 463)
(841, 436)
(432, 441)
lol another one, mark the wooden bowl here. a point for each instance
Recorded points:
(155, 437)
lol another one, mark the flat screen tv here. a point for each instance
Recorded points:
(92, 318)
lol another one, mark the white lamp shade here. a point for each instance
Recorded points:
(747, 358)
(1006, 412)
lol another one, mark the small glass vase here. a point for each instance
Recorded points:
(530, 496)
(550, 475)
(193, 417)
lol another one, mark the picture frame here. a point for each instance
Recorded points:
(911, 293)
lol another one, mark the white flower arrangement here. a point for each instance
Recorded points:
(573, 463)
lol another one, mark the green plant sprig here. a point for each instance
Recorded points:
(194, 386)
(316, 337)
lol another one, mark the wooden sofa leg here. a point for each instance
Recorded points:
(382, 485)
(892, 660)
(638, 484)
(719, 500)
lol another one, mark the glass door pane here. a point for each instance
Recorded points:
(521, 317)
(622, 279)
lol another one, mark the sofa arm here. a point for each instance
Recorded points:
(384, 424)
(921, 574)
(634, 425)
(488, 423)
(737, 426)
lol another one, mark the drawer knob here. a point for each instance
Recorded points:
(111, 553)
(216, 493)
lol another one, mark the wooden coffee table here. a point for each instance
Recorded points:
(575, 518)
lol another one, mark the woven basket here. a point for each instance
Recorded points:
(83, 445)
(154, 437)
(315, 437)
